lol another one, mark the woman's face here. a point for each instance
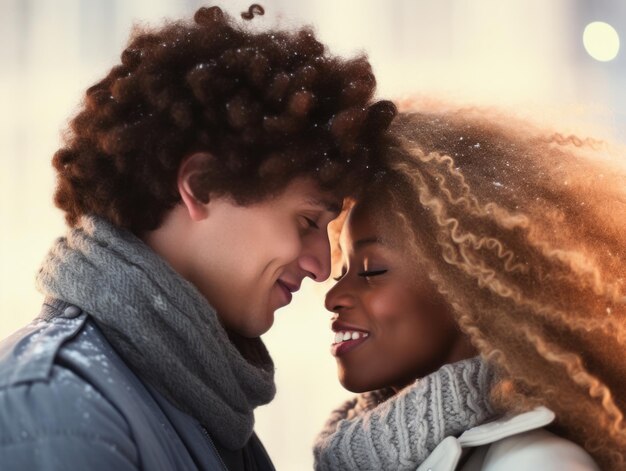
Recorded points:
(395, 325)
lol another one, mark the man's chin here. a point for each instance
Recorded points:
(249, 332)
(252, 331)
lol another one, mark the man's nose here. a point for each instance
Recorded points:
(315, 258)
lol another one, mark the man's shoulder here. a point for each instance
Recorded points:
(64, 408)
(46, 402)
(63, 356)
(67, 395)
(62, 422)
(28, 355)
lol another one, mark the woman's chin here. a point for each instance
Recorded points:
(356, 384)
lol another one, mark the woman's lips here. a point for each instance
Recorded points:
(343, 347)
(347, 338)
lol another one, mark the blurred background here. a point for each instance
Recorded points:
(558, 62)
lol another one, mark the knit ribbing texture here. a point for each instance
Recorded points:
(378, 432)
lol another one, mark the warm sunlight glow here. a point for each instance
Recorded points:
(601, 41)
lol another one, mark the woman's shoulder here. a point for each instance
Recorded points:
(535, 449)
(522, 443)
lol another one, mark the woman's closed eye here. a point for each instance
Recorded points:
(371, 273)
(343, 273)
(362, 274)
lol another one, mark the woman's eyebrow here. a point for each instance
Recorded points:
(359, 244)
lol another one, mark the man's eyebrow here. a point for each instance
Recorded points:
(329, 205)
(359, 244)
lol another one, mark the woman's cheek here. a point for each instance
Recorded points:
(383, 304)
(391, 303)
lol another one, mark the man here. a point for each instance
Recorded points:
(197, 180)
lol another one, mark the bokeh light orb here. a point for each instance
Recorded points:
(601, 41)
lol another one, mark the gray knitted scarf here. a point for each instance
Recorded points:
(162, 327)
(377, 432)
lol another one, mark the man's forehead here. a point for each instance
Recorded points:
(309, 192)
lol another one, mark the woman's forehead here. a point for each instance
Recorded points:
(365, 227)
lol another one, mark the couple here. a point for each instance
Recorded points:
(479, 303)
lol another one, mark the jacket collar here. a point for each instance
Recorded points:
(506, 427)
(447, 454)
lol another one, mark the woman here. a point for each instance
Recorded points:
(487, 263)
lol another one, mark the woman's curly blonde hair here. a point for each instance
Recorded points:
(524, 234)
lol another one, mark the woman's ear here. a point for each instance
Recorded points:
(191, 168)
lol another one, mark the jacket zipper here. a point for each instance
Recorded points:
(208, 438)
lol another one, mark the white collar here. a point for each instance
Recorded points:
(448, 452)
(505, 427)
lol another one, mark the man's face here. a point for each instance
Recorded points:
(248, 260)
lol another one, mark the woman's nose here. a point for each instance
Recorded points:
(338, 298)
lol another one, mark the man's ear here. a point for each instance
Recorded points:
(191, 168)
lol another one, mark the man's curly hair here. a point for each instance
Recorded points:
(267, 106)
